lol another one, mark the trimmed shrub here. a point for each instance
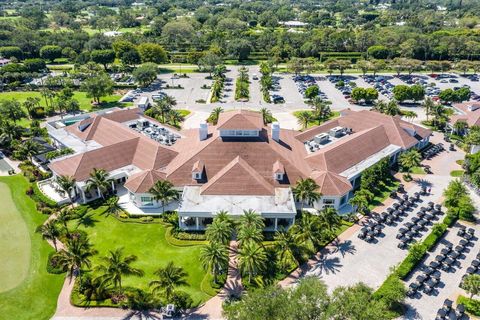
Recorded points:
(53, 265)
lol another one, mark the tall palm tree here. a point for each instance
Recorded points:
(359, 201)
(75, 256)
(249, 233)
(329, 219)
(219, 231)
(410, 159)
(304, 118)
(31, 104)
(9, 131)
(99, 180)
(266, 115)
(305, 191)
(113, 207)
(428, 105)
(250, 217)
(287, 246)
(308, 229)
(321, 109)
(49, 231)
(223, 215)
(174, 117)
(215, 114)
(164, 192)
(29, 148)
(214, 257)
(67, 184)
(116, 265)
(169, 278)
(252, 259)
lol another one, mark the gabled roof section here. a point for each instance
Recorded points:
(240, 119)
(198, 166)
(143, 181)
(151, 155)
(238, 178)
(278, 167)
(349, 151)
(109, 158)
(331, 184)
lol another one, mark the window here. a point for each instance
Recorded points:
(146, 201)
(278, 176)
(328, 201)
(343, 200)
(197, 175)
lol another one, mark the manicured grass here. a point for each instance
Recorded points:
(417, 170)
(456, 173)
(334, 114)
(81, 97)
(384, 194)
(35, 297)
(148, 243)
(460, 162)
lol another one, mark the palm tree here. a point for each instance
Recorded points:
(50, 232)
(169, 278)
(321, 109)
(116, 266)
(410, 159)
(31, 104)
(307, 229)
(63, 217)
(460, 126)
(9, 131)
(329, 219)
(428, 105)
(215, 114)
(99, 180)
(67, 184)
(455, 190)
(252, 259)
(249, 233)
(219, 231)
(380, 106)
(305, 191)
(439, 114)
(113, 207)
(286, 245)
(266, 115)
(250, 217)
(29, 148)
(164, 192)
(214, 257)
(392, 108)
(304, 118)
(223, 215)
(359, 202)
(174, 117)
(75, 256)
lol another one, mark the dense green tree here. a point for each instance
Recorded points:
(152, 52)
(98, 86)
(103, 57)
(50, 52)
(145, 74)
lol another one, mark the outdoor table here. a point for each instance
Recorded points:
(463, 242)
(475, 263)
(439, 258)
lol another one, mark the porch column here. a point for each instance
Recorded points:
(83, 195)
(197, 222)
(113, 185)
(276, 223)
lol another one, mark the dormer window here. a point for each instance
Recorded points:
(278, 171)
(197, 170)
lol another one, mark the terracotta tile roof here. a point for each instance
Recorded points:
(198, 166)
(331, 183)
(240, 119)
(278, 167)
(472, 118)
(238, 178)
(143, 181)
(349, 151)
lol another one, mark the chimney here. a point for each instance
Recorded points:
(203, 131)
(276, 131)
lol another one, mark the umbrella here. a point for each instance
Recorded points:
(439, 258)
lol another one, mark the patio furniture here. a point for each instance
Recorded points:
(459, 248)
(447, 305)
(461, 232)
(475, 263)
(471, 231)
(434, 264)
(441, 315)
(454, 254)
(439, 258)
(463, 242)
(460, 310)
(444, 251)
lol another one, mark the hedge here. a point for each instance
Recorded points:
(38, 196)
(178, 242)
(472, 306)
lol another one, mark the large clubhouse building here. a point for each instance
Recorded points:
(238, 164)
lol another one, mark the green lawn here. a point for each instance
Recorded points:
(384, 193)
(418, 170)
(456, 173)
(84, 101)
(148, 243)
(32, 292)
(333, 115)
